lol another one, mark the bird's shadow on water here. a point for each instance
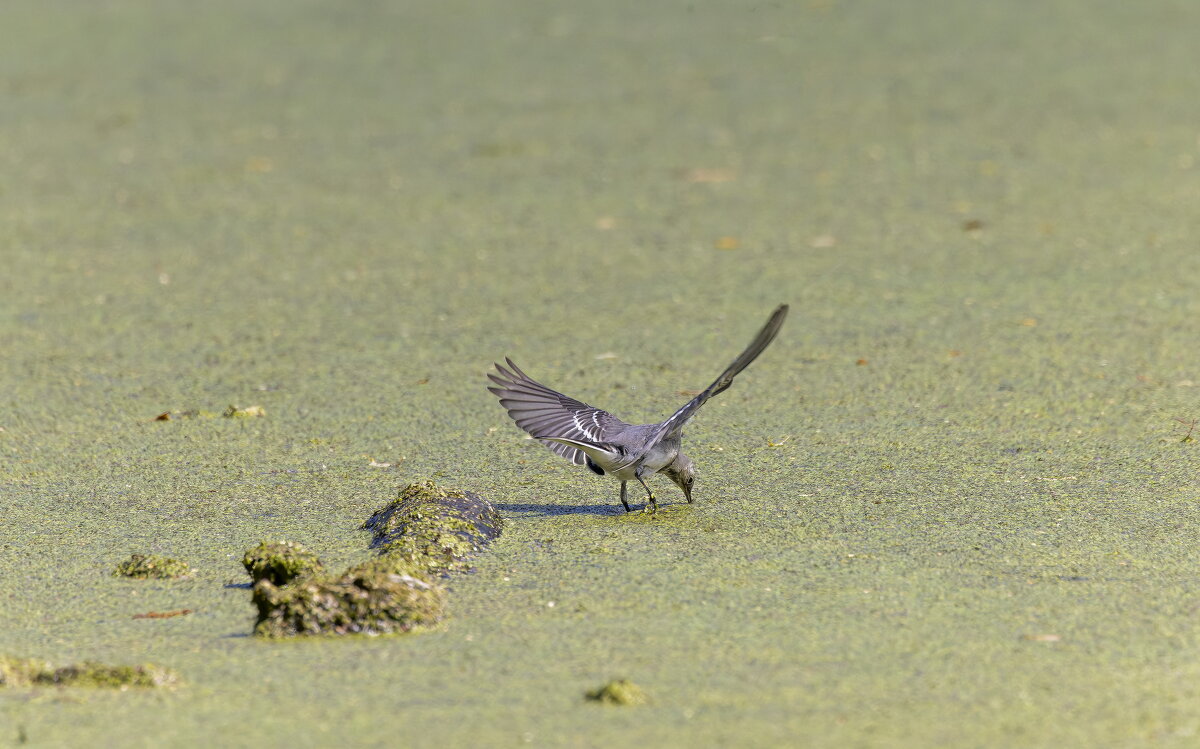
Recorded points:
(526, 510)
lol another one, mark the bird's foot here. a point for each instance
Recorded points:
(652, 507)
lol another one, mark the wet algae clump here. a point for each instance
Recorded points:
(28, 672)
(427, 531)
(146, 566)
(361, 601)
(618, 692)
(432, 528)
(280, 562)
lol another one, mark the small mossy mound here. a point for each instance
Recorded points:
(432, 528)
(27, 672)
(280, 562)
(361, 601)
(619, 692)
(145, 566)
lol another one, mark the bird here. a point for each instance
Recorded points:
(592, 437)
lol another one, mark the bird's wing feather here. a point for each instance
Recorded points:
(546, 413)
(675, 424)
(601, 453)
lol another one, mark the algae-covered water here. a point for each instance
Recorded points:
(953, 504)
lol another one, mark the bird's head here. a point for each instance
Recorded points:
(683, 472)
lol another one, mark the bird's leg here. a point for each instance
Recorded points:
(623, 500)
(649, 494)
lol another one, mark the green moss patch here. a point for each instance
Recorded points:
(27, 672)
(368, 602)
(280, 562)
(619, 692)
(146, 566)
(432, 528)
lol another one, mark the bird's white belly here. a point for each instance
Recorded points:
(659, 457)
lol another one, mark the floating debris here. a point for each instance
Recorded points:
(249, 412)
(29, 672)
(162, 614)
(147, 566)
(619, 692)
(195, 413)
(280, 562)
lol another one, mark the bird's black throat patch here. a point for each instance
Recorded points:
(591, 464)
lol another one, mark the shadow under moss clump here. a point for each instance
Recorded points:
(280, 562)
(27, 672)
(145, 566)
(427, 531)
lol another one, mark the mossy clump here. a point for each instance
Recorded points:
(361, 601)
(432, 528)
(426, 532)
(27, 672)
(618, 692)
(145, 566)
(280, 562)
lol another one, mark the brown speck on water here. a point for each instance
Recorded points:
(162, 614)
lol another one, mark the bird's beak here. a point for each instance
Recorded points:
(687, 492)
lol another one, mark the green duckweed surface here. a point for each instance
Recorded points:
(951, 505)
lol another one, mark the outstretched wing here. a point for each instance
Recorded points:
(543, 412)
(680, 418)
